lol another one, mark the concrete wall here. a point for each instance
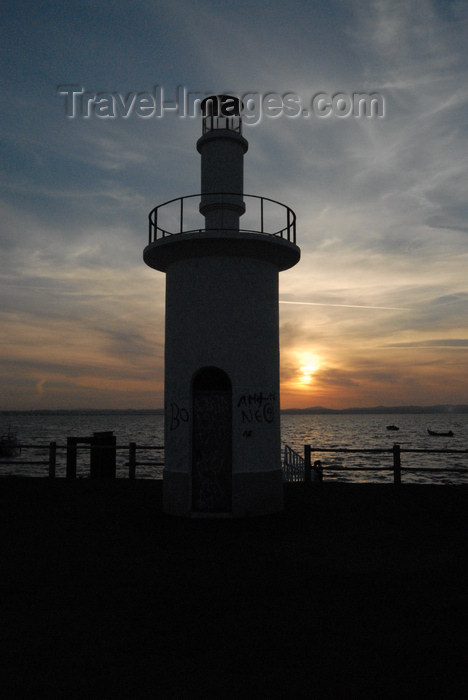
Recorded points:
(222, 311)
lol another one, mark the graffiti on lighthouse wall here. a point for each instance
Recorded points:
(257, 408)
(253, 410)
(177, 416)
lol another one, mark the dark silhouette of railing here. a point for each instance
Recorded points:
(132, 460)
(296, 467)
(299, 468)
(181, 218)
(293, 465)
(50, 462)
(71, 449)
(213, 122)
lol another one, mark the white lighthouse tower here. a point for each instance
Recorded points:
(222, 410)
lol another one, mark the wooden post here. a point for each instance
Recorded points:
(307, 465)
(396, 465)
(103, 455)
(71, 458)
(52, 459)
(132, 460)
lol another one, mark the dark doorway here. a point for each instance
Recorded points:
(212, 442)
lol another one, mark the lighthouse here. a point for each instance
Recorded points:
(222, 251)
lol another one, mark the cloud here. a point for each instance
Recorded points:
(347, 306)
(40, 387)
(456, 343)
(380, 292)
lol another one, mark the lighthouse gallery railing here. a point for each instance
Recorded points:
(262, 215)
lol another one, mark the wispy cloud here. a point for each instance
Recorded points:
(380, 295)
(348, 306)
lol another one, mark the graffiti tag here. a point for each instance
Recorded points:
(257, 408)
(178, 415)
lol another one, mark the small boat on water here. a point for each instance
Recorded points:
(449, 433)
(392, 427)
(9, 446)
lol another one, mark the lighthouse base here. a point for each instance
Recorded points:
(253, 493)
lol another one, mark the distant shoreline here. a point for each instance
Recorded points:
(312, 410)
(376, 410)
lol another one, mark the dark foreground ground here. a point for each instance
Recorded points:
(355, 591)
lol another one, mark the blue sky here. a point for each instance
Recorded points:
(381, 202)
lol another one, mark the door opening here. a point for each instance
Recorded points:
(212, 442)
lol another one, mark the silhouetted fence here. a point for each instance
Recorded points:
(293, 465)
(296, 467)
(299, 468)
(50, 461)
(101, 453)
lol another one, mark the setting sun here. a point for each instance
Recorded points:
(308, 365)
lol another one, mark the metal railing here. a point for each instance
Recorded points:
(49, 462)
(212, 122)
(172, 217)
(132, 460)
(299, 468)
(293, 465)
(296, 467)
(17, 449)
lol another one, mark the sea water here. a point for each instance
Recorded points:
(369, 431)
(320, 431)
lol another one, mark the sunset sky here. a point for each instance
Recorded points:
(375, 312)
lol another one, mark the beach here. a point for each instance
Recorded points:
(354, 591)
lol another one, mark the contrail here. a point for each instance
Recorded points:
(347, 306)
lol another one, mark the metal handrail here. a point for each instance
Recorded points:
(53, 447)
(293, 465)
(287, 232)
(396, 451)
(213, 122)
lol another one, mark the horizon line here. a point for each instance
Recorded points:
(378, 407)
